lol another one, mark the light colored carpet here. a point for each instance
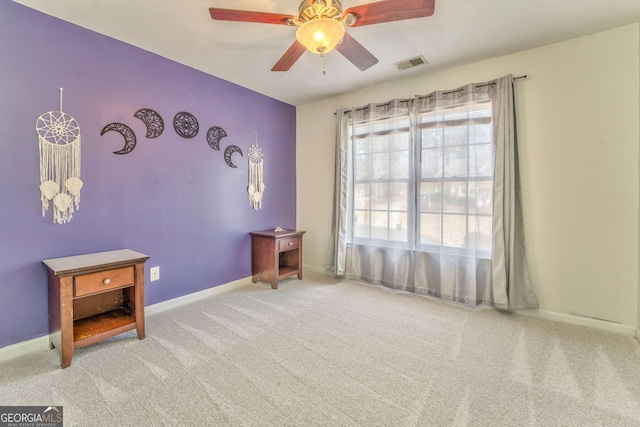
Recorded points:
(324, 352)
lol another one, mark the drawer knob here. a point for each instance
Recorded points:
(290, 243)
(106, 281)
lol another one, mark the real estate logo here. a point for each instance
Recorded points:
(31, 416)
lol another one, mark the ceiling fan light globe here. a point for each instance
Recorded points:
(321, 35)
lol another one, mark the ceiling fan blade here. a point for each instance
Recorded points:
(290, 57)
(248, 16)
(356, 53)
(391, 10)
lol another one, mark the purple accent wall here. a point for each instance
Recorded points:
(174, 199)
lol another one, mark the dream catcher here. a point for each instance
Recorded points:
(256, 178)
(60, 184)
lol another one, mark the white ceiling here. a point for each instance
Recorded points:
(460, 31)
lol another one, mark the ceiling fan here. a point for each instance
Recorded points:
(322, 23)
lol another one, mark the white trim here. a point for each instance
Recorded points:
(196, 296)
(24, 347)
(42, 343)
(545, 314)
(542, 314)
(315, 269)
(579, 320)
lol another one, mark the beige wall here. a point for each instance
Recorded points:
(579, 135)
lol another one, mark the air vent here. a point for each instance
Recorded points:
(410, 63)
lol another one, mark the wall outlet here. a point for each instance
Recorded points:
(154, 274)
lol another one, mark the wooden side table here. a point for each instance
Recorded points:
(93, 297)
(276, 255)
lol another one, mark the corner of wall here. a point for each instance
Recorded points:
(638, 291)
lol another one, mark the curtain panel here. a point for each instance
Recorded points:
(443, 215)
(337, 255)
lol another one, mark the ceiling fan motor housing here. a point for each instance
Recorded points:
(313, 9)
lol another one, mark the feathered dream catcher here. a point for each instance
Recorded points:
(256, 176)
(60, 184)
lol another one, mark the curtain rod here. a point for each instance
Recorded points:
(522, 77)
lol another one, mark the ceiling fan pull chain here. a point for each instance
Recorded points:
(324, 64)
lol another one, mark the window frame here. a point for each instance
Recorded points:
(479, 113)
(380, 130)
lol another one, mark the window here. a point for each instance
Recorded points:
(456, 178)
(417, 185)
(425, 181)
(382, 182)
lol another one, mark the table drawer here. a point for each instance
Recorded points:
(288, 244)
(103, 281)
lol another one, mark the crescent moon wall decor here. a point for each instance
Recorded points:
(59, 143)
(186, 125)
(152, 120)
(228, 152)
(126, 132)
(214, 135)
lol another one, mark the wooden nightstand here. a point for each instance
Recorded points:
(93, 297)
(276, 255)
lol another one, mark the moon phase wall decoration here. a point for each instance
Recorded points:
(228, 152)
(152, 120)
(126, 132)
(214, 135)
(186, 125)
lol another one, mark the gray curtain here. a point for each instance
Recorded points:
(511, 284)
(457, 275)
(492, 269)
(337, 255)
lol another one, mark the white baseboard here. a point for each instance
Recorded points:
(24, 347)
(579, 320)
(42, 343)
(547, 315)
(196, 296)
(315, 269)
